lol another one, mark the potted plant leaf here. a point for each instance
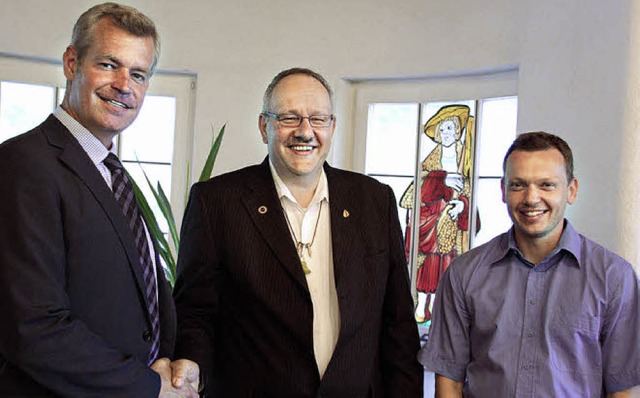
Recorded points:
(168, 248)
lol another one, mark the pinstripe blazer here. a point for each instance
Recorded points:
(73, 319)
(244, 308)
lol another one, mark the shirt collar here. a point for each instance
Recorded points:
(91, 145)
(321, 193)
(569, 242)
(503, 248)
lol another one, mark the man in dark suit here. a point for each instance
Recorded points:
(292, 279)
(85, 309)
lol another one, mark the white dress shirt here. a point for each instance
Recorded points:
(97, 152)
(319, 260)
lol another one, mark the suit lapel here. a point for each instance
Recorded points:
(77, 160)
(343, 224)
(353, 278)
(264, 208)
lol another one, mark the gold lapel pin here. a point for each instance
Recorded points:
(345, 213)
(262, 209)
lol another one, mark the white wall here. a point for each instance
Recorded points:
(236, 47)
(577, 79)
(574, 61)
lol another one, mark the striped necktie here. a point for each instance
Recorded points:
(123, 192)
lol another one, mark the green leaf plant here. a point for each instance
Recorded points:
(168, 249)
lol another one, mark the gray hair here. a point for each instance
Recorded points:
(293, 71)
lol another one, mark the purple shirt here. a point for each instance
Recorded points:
(567, 327)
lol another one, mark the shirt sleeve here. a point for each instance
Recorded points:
(621, 330)
(447, 350)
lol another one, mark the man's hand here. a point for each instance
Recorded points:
(185, 371)
(162, 367)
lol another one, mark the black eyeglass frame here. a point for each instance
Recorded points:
(280, 117)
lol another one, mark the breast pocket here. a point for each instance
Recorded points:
(575, 344)
(376, 265)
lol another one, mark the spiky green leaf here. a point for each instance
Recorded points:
(156, 232)
(165, 252)
(165, 208)
(213, 154)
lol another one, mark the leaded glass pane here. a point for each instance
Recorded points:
(23, 107)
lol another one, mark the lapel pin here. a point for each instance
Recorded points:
(262, 209)
(345, 213)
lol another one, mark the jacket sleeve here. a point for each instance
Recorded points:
(401, 372)
(195, 292)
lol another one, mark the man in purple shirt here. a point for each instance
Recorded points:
(539, 311)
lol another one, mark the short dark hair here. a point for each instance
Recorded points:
(124, 17)
(293, 71)
(540, 141)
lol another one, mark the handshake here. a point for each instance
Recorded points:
(180, 378)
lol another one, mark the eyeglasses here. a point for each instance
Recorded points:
(291, 120)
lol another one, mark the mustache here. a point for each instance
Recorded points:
(301, 140)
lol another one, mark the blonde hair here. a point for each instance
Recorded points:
(124, 17)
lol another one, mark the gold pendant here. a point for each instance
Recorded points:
(306, 269)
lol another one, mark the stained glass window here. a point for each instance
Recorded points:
(454, 157)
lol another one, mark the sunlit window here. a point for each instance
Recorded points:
(147, 144)
(391, 146)
(23, 107)
(496, 133)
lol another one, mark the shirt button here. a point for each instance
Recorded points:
(530, 334)
(532, 301)
(146, 336)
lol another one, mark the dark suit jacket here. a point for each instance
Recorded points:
(73, 319)
(244, 308)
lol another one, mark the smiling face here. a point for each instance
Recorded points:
(298, 153)
(106, 90)
(536, 191)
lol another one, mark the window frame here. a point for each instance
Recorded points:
(483, 84)
(178, 84)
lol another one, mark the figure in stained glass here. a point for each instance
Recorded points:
(445, 187)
